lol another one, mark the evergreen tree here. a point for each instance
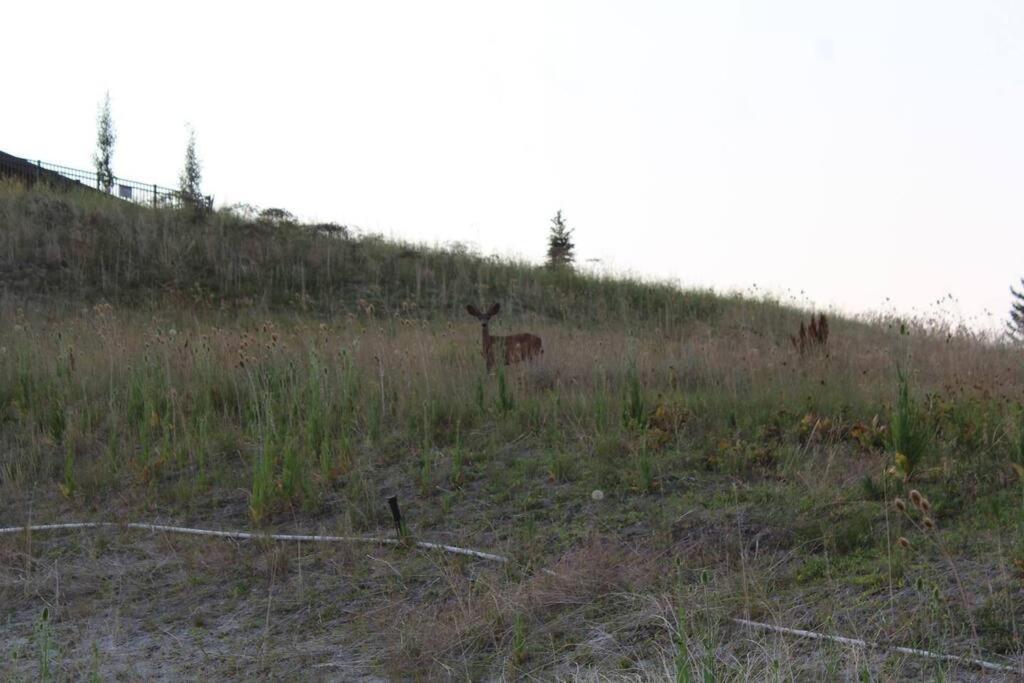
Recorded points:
(191, 175)
(1015, 327)
(561, 250)
(105, 138)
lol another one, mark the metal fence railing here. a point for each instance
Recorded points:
(129, 190)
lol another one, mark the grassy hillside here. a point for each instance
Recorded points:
(672, 462)
(101, 250)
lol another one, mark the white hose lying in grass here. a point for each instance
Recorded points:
(312, 538)
(992, 666)
(249, 535)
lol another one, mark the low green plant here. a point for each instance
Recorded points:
(646, 473)
(560, 467)
(458, 473)
(634, 408)
(1017, 437)
(519, 641)
(45, 648)
(910, 436)
(871, 489)
(262, 492)
(424, 476)
(69, 485)
(684, 668)
(506, 402)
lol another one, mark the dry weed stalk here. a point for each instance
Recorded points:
(930, 531)
(812, 336)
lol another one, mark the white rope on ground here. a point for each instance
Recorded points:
(249, 535)
(314, 538)
(992, 666)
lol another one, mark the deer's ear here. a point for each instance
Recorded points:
(493, 310)
(471, 309)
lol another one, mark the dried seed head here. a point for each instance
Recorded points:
(916, 498)
(900, 505)
(925, 505)
(928, 523)
(903, 542)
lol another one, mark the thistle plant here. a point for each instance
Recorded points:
(919, 515)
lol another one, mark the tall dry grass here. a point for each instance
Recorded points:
(88, 247)
(121, 398)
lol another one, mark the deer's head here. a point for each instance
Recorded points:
(484, 318)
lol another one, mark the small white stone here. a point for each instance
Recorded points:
(598, 494)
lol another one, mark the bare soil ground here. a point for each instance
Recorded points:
(131, 606)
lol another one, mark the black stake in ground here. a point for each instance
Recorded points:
(396, 513)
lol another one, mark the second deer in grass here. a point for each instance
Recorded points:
(511, 349)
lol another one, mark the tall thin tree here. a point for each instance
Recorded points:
(191, 175)
(105, 139)
(561, 250)
(1015, 326)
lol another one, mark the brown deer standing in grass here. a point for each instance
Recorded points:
(513, 348)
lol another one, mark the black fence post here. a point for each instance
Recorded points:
(39, 169)
(397, 515)
(154, 195)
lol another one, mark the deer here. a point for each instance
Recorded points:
(513, 348)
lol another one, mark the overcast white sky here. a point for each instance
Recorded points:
(853, 151)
